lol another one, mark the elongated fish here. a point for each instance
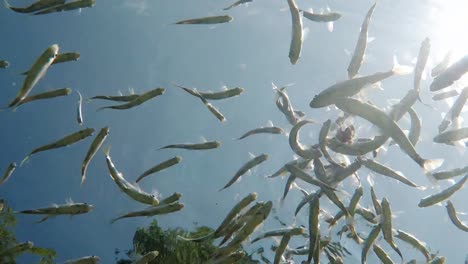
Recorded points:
(455, 110)
(444, 95)
(93, 149)
(297, 147)
(284, 105)
(387, 226)
(129, 189)
(228, 93)
(450, 75)
(9, 170)
(138, 101)
(170, 199)
(4, 64)
(195, 146)
(388, 126)
(296, 38)
(207, 20)
(260, 130)
(360, 49)
(84, 260)
(447, 174)
(369, 241)
(153, 210)
(454, 218)
(79, 112)
(316, 17)
(413, 241)
(62, 57)
(46, 95)
(64, 209)
(351, 87)
(450, 136)
(382, 255)
(442, 65)
(67, 140)
(17, 249)
(421, 62)
(381, 169)
(159, 167)
(292, 231)
(443, 195)
(77, 4)
(415, 129)
(36, 6)
(213, 109)
(36, 72)
(237, 3)
(117, 98)
(147, 258)
(247, 166)
(281, 248)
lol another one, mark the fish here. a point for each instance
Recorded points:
(281, 248)
(415, 130)
(453, 217)
(387, 226)
(450, 75)
(170, 199)
(93, 149)
(46, 95)
(369, 241)
(36, 6)
(442, 65)
(237, 3)
(129, 189)
(260, 130)
(65, 141)
(147, 258)
(161, 166)
(77, 4)
(247, 166)
(351, 87)
(447, 174)
(386, 171)
(138, 101)
(244, 202)
(328, 17)
(228, 93)
(297, 147)
(292, 231)
(4, 64)
(437, 260)
(357, 148)
(443, 195)
(382, 255)
(445, 95)
(84, 260)
(367, 214)
(450, 136)
(413, 241)
(7, 174)
(314, 231)
(388, 126)
(300, 163)
(423, 55)
(64, 209)
(65, 57)
(195, 146)
(297, 36)
(79, 113)
(323, 141)
(455, 110)
(398, 110)
(152, 210)
(36, 72)
(117, 98)
(207, 20)
(213, 109)
(360, 49)
(375, 202)
(306, 177)
(16, 249)
(284, 105)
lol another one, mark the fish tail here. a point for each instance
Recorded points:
(430, 165)
(400, 69)
(26, 159)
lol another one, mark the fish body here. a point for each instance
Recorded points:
(413, 241)
(237, 3)
(260, 130)
(213, 109)
(421, 62)
(369, 241)
(236, 210)
(454, 218)
(207, 20)
(213, 95)
(399, 110)
(360, 49)
(117, 98)
(455, 110)
(195, 146)
(138, 101)
(284, 105)
(415, 129)
(79, 112)
(68, 6)
(441, 66)
(346, 88)
(281, 248)
(306, 177)
(357, 148)
(84, 260)
(65, 57)
(387, 226)
(17, 249)
(4, 64)
(388, 126)
(451, 136)
(314, 231)
(247, 166)
(9, 170)
(170, 199)
(445, 95)
(67, 140)
(294, 231)
(297, 147)
(161, 166)
(153, 210)
(450, 75)
(329, 17)
(93, 149)
(381, 169)
(443, 195)
(65, 209)
(36, 72)
(447, 174)
(297, 37)
(36, 6)
(46, 95)
(382, 255)
(437, 260)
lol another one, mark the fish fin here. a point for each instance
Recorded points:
(400, 69)
(106, 150)
(430, 165)
(330, 26)
(26, 159)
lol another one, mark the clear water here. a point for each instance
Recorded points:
(132, 44)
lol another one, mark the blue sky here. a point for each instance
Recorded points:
(131, 44)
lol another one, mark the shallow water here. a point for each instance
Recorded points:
(133, 45)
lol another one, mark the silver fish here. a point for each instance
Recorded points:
(450, 75)
(360, 49)
(247, 166)
(328, 17)
(442, 66)
(93, 149)
(382, 255)
(36, 6)
(9, 170)
(161, 166)
(84, 260)
(443, 195)
(455, 110)
(447, 174)
(381, 169)
(415, 130)
(421, 62)
(237, 3)
(138, 101)
(65, 209)
(369, 241)
(296, 38)
(195, 146)
(117, 98)
(445, 95)
(65, 57)
(46, 95)
(207, 20)
(153, 210)
(453, 217)
(387, 226)
(68, 6)
(79, 112)
(228, 93)
(267, 130)
(4, 64)
(297, 147)
(292, 231)
(450, 136)
(413, 241)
